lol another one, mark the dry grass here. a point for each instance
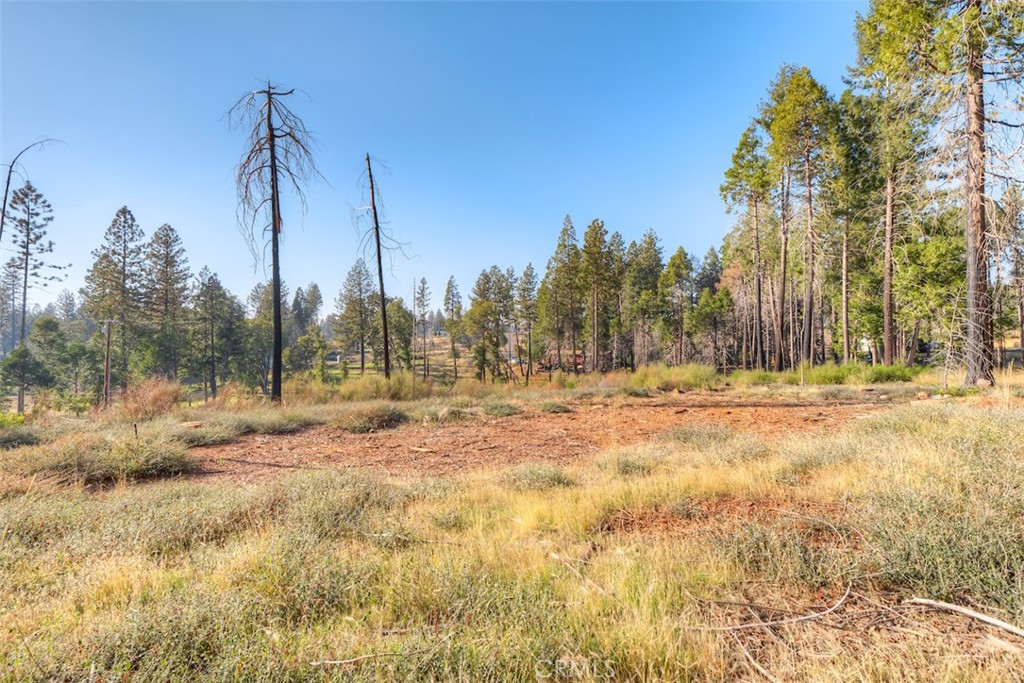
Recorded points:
(619, 562)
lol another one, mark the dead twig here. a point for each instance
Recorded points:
(753, 662)
(781, 622)
(967, 612)
(363, 658)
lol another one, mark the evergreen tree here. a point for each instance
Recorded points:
(527, 313)
(676, 285)
(314, 303)
(354, 322)
(32, 215)
(422, 311)
(563, 311)
(748, 184)
(946, 53)
(114, 287)
(166, 291)
(453, 320)
(643, 300)
(799, 117)
(594, 267)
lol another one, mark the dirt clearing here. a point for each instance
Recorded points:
(480, 442)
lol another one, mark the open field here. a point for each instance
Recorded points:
(736, 533)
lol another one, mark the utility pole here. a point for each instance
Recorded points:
(380, 274)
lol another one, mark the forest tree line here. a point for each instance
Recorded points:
(882, 224)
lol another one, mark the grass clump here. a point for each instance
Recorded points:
(700, 436)
(532, 477)
(265, 420)
(882, 374)
(373, 418)
(96, 459)
(676, 377)
(553, 407)
(750, 378)
(633, 465)
(148, 399)
(501, 409)
(19, 436)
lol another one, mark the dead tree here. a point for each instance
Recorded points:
(279, 148)
(380, 271)
(10, 172)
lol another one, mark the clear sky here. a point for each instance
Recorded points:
(495, 120)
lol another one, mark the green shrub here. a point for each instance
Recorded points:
(11, 420)
(748, 378)
(829, 373)
(881, 374)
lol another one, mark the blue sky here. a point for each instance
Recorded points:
(494, 120)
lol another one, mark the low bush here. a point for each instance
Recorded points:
(95, 459)
(499, 409)
(553, 407)
(373, 419)
(19, 436)
(530, 477)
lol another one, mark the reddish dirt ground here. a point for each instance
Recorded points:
(480, 442)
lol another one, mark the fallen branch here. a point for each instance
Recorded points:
(356, 660)
(780, 622)
(753, 662)
(957, 609)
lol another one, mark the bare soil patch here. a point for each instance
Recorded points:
(480, 442)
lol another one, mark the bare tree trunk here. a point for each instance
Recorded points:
(780, 311)
(888, 341)
(794, 329)
(912, 349)
(846, 290)
(808, 329)
(275, 231)
(380, 273)
(759, 359)
(979, 332)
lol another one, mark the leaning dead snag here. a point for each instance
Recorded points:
(279, 147)
(10, 172)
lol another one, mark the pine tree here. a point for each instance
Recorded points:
(527, 312)
(453, 320)
(114, 287)
(952, 55)
(10, 287)
(676, 285)
(644, 304)
(799, 116)
(166, 291)
(482, 322)
(748, 183)
(422, 309)
(32, 215)
(314, 303)
(594, 266)
(564, 309)
(354, 322)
